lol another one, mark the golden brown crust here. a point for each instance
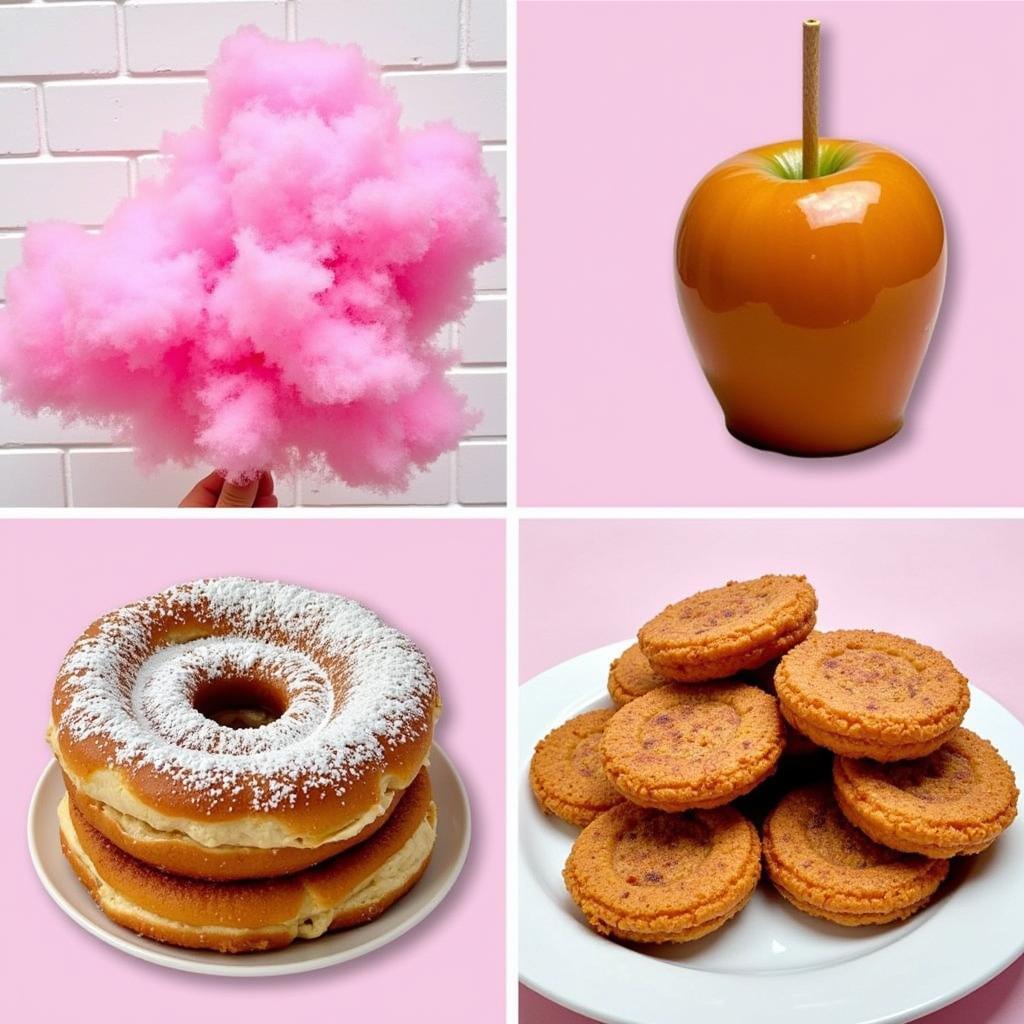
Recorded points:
(371, 911)
(847, 746)
(566, 775)
(862, 693)
(686, 746)
(180, 855)
(630, 676)
(316, 809)
(248, 915)
(646, 876)
(739, 627)
(826, 867)
(168, 931)
(957, 800)
(682, 934)
(854, 920)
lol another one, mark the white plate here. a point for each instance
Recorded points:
(453, 828)
(772, 963)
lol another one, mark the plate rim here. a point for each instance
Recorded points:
(537, 691)
(166, 955)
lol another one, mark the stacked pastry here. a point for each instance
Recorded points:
(722, 689)
(245, 764)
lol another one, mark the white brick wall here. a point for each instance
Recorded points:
(58, 39)
(162, 36)
(87, 89)
(44, 189)
(421, 33)
(119, 115)
(19, 117)
(486, 32)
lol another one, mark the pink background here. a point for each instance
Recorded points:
(622, 108)
(441, 582)
(952, 584)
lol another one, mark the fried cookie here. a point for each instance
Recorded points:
(646, 876)
(956, 800)
(825, 867)
(741, 626)
(630, 676)
(866, 694)
(566, 774)
(685, 746)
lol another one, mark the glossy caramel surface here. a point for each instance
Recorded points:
(810, 303)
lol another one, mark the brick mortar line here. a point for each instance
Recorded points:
(70, 156)
(463, 46)
(18, 231)
(111, 154)
(452, 71)
(397, 69)
(62, 76)
(68, 485)
(453, 477)
(121, 29)
(86, 447)
(44, 142)
(194, 75)
(291, 21)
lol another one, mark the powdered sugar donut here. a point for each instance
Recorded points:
(234, 728)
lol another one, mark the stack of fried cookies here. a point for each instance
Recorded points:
(730, 700)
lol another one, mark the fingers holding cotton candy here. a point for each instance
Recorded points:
(274, 301)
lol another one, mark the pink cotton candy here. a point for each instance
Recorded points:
(273, 302)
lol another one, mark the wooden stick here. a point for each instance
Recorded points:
(812, 29)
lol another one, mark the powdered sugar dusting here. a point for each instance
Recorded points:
(355, 688)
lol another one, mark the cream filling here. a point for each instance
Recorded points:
(397, 869)
(136, 828)
(139, 821)
(308, 923)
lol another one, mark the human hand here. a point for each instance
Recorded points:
(214, 491)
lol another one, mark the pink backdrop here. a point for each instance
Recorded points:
(953, 584)
(622, 108)
(442, 582)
